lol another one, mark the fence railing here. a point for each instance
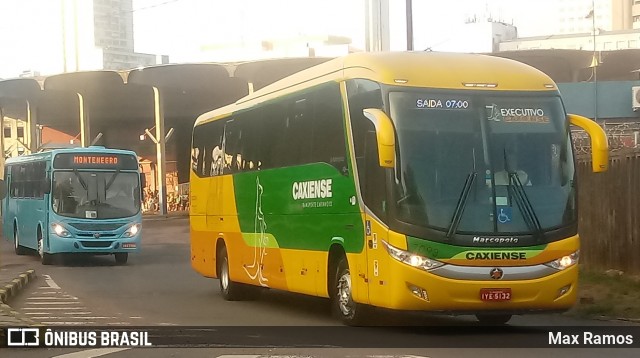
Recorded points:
(609, 213)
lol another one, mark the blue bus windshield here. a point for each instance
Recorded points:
(95, 194)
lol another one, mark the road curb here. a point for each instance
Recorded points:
(16, 285)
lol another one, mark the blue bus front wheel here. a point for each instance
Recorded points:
(121, 257)
(45, 258)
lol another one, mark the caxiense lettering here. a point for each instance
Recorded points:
(312, 189)
(495, 255)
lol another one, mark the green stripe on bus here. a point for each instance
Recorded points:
(260, 240)
(436, 250)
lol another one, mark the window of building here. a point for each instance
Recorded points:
(20, 132)
(7, 132)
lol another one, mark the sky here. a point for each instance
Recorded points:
(199, 30)
(220, 22)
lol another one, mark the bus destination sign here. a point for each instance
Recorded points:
(80, 159)
(443, 102)
(95, 161)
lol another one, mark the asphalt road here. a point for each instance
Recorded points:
(158, 289)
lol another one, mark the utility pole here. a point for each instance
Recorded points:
(409, 12)
(595, 62)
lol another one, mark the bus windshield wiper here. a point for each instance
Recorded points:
(113, 177)
(462, 203)
(82, 182)
(524, 204)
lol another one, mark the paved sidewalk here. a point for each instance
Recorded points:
(16, 273)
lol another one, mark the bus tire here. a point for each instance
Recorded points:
(342, 304)
(45, 258)
(121, 257)
(20, 250)
(231, 291)
(493, 319)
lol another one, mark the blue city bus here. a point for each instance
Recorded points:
(79, 200)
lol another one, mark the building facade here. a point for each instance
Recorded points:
(98, 35)
(600, 41)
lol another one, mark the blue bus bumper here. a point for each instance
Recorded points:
(92, 245)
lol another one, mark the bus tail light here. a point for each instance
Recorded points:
(565, 261)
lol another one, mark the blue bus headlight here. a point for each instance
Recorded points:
(132, 231)
(565, 261)
(60, 230)
(411, 259)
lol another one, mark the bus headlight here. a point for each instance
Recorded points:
(132, 231)
(411, 259)
(565, 261)
(60, 230)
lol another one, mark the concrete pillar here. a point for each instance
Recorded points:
(377, 25)
(160, 152)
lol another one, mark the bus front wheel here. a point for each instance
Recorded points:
(493, 319)
(45, 258)
(121, 257)
(343, 306)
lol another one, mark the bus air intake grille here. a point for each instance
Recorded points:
(96, 226)
(96, 243)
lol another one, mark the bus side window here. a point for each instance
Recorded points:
(276, 116)
(232, 143)
(328, 129)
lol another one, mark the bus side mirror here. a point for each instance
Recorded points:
(385, 136)
(143, 184)
(599, 145)
(3, 189)
(143, 180)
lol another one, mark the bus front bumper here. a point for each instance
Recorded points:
(93, 246)
(425, 291)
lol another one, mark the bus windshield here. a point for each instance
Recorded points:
(499, 163)
(95, 195)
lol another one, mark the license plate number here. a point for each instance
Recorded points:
(495, 294)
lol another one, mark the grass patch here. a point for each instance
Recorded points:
(610, 294)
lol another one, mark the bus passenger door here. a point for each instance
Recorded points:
(377, 270)
(373, 191)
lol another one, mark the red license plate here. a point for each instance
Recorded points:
(495, 294)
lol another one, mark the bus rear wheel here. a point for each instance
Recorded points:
(343, 305)
(231, 291)
(20, 250)
(493, 319)
(121, 257)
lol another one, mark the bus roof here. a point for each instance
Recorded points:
(412, 69)
(51, 153)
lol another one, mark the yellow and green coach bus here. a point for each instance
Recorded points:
(414, 181)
